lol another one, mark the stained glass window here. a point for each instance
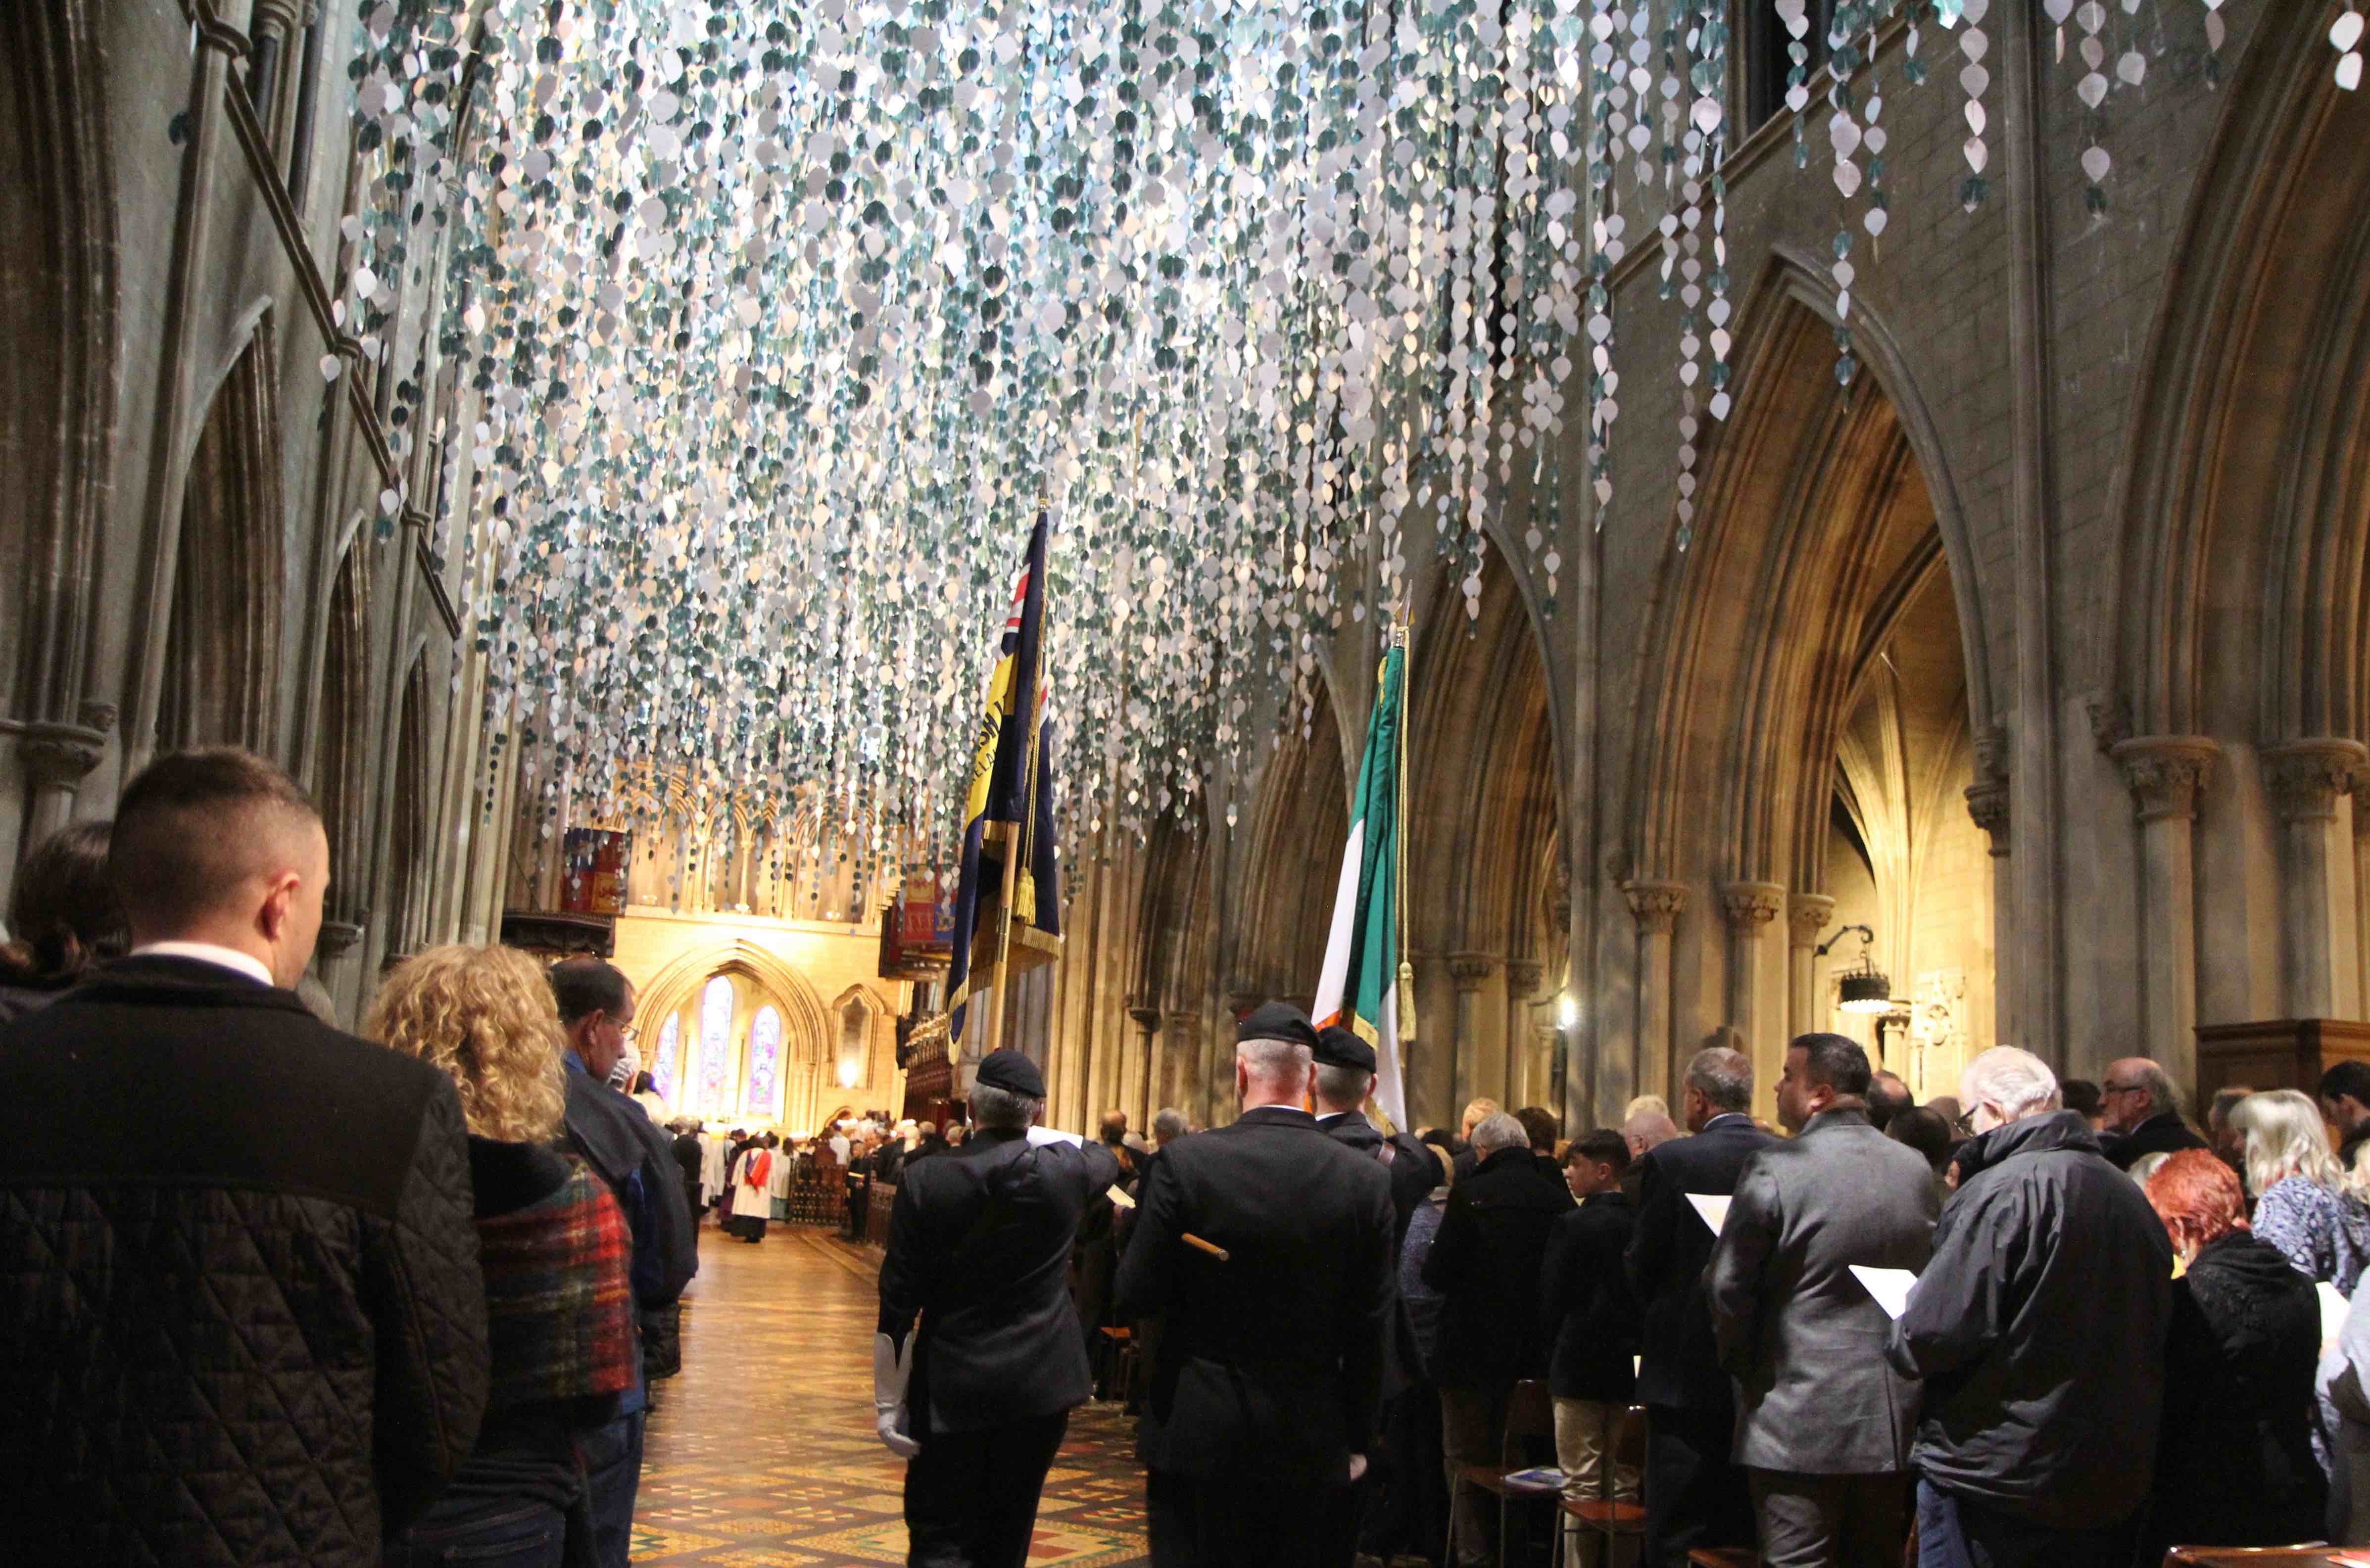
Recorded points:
(715, 1046)
(663, 1065)
(764, 1094)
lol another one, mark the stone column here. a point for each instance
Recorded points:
(1750, 907)
(1807, 914)
(56, 758)
(1656, 907)
(275, 23)
(1184, 1060)
(1525, 1080)
(1145, 1071)
(2321, 973)
(1987, 803)
(1471, 971)
(2166, 772)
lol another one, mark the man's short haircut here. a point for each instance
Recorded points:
(194, 827)
(1601, 1146)
(1001, 1109)
(1836, 1060)
(584, 987)
(1922, 1127)
(1500, 1132)
(1168, 1121)
(1723, 1076)
(1339, 1087)
(1888, 1096)
(2350, 1077)
(1542, 1125)
(1275, 1059)
(2081, 1096)
(2217, 1112)
(1480, 1111)
(2017, 1081)
(1113, 1128)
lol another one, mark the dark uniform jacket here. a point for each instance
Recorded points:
(1485, 1264)
(2040, 1330)
(1271, 1360)
(1587, 1316)
(1802, 1336)
(2164, 1133)
(1668, 1256)
(979, 1247)
(1413, 1170)
(241, 1317)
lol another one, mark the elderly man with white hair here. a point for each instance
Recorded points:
(2039, 1329)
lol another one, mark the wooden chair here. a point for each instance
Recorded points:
(1530, 1414)
(1116, 1360)
(1605, 1514)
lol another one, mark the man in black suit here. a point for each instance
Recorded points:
(689, 1156)
(2143, 1113)
(977, 1399)
(1265, 1247)
(1695, 1497)
(239, 1288)
(1345, 1077)
(621, 1143)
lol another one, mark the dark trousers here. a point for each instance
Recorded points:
(1695, 1497)
(1829, 1521)
(1414, 1512)
(612, 1474)
(1954, 1532)
(482, 1533)
(1235, 1519)
(970, 1498)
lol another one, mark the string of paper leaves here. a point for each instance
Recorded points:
(768, 330)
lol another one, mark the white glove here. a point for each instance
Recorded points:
(890, 1369)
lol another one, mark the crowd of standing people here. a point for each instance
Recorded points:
(279, 1294)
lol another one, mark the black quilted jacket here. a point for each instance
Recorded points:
(241, 1320)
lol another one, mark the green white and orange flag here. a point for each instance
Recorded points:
(1360, 987)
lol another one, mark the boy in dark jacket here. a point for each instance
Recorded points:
(1588, 1315)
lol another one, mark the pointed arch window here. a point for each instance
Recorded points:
(763, 1097)
(855, 1035)
(716, 1046)
(664, 1063)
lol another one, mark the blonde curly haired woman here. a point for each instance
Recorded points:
(554, 1247)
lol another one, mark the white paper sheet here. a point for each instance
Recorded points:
(1890, 1287)
(1714, 1209)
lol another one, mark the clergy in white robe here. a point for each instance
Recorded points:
(753, 1204)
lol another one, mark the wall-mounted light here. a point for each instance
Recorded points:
(1567, 1012)
(1863, 987)
(847, 1073)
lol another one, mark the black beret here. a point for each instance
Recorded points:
(1013, 1072)
(1336, 1046)
(1278, 1020)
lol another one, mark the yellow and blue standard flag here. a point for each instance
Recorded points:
(1009, 808)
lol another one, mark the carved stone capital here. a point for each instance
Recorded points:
(2166, 772)
(1751, 906)
(1244, 1002)
(1146, 1018)
(1655, 906)
(1471, 970)
(2304, 778)
(1185, 1023)
(59, 756)
(1987, 804)
(278, 16)
(1807, 914)
(100, 716)
(338, 937)
(1522, 977)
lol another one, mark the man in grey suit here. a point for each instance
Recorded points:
(1823, 1420)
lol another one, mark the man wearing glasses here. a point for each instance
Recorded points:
(632, 1154)
(2143, 1113)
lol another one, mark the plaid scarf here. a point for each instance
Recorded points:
(559, 1313)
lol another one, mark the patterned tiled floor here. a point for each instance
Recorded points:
(760, 1453)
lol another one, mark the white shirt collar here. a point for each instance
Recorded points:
(1331, 1117)
(207, 952)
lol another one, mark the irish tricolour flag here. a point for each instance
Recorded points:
(1360, 987)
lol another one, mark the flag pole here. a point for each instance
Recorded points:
(1406, 1035)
